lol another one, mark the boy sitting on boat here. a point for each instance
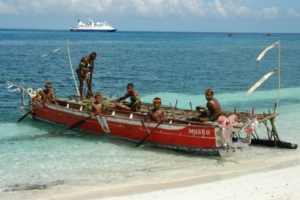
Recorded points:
(97, 106)
(46, 95)
(212, 110)
(135, 101)
(156, 113)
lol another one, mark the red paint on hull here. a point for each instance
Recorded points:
(175, 134)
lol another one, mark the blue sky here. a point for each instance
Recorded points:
(274, 16)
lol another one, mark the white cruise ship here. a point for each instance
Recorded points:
(93, 27)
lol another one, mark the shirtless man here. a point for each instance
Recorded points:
(156, 113)
(212, 110)
(47, 95)
(95, 107)
(86, 66)
(135, 104)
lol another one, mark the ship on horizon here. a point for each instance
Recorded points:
(92, 26)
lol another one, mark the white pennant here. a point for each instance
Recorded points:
(256, 85)
(55, 50)
(14, 90)
(265, 51)
(9, 85)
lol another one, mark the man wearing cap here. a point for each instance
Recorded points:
(85, 72)
(135, 101)
(212, 110)
(156, 113)
(47, 95)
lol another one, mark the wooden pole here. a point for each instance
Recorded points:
(278, 77)
(72, 69)
(191, 106)
(22, 89)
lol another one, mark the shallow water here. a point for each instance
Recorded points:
(39, 160)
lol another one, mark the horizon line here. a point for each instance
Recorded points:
(66, 30)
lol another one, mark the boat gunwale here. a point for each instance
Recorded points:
(184, 123)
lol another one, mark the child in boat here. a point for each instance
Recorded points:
(135, 104)
(156, 113)
(97, 106)
(212, 110)
(46, 95)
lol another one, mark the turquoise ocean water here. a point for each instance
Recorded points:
(39, 160)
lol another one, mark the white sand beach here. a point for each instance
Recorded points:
(274, 184)
(279, 181)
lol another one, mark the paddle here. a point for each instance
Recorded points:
(80, 122)
(148, 134)
(29, 111)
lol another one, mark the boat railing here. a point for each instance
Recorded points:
(70, 105)
(110, 111)
(176, 113)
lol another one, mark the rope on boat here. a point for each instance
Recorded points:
(55, 50)
(72, 68)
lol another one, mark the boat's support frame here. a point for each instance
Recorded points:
(273, 137)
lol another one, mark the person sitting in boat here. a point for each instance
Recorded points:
(97, 106)
(85, 72)
(46, 95)
(135, 101)
(212, 110)
(156, 113)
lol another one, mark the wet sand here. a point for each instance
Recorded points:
(276, 180)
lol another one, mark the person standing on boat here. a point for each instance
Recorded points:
(85, 72)
(212, 110)
(46, 95)
(135, 101)
(97, 106)
(156, 113)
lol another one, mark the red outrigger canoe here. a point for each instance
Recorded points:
(217, 139)
(176, 134)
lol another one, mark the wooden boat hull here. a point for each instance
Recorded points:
(179, 135)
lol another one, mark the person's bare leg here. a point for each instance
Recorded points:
(122, 107)
(80, 78)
